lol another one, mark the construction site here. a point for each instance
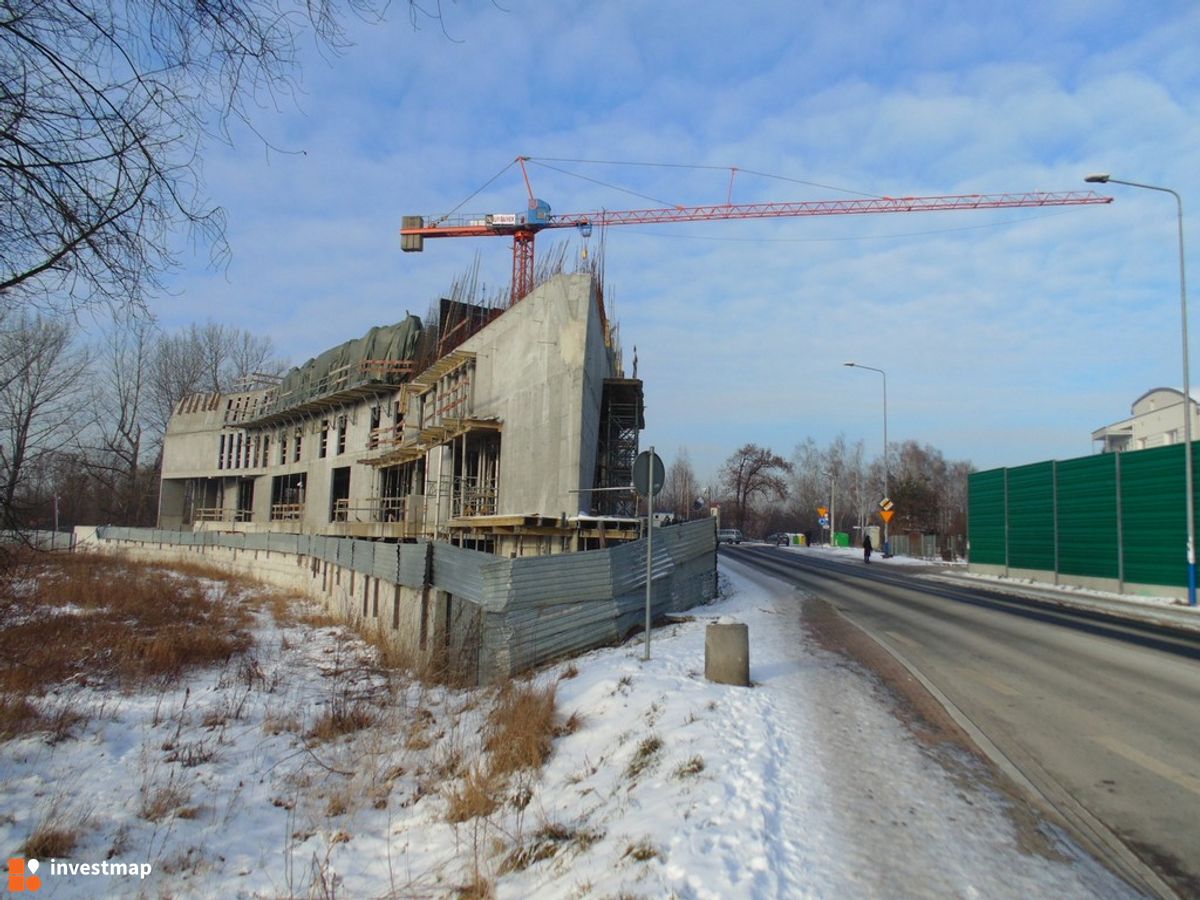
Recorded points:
(508, 426)
(492, 428)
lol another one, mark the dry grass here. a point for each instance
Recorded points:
(573, 724)
(342, 716)
(17, 716)
(693, 766)
(279, 722)
(388, 653)
(479, 889)
(97, 618)
(49, 842)
(644, 756)
(57, 834)
(521, 728)
(518, 736)
(160, 801)
(289, 610)
(545, 843)
(479, 795)
(642, 851)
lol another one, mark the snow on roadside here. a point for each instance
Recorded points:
(803, 785)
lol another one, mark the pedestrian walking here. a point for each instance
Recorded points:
(866, 548)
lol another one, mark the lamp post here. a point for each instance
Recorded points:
(856, 365)
(1187, 395)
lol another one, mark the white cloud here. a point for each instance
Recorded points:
(1007, 335)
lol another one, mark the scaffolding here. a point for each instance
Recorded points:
(621, 418)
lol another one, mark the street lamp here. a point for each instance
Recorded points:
(1187, 396)
(855, 365)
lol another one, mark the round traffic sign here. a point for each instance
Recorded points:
(643, 483)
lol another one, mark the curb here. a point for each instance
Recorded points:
(1179, 619)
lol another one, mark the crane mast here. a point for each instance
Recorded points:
(523, 227)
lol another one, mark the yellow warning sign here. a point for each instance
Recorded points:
(822, 511)
(886, 514)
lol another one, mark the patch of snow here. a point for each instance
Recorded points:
(803, 785)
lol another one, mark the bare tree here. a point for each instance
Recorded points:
(680, 488)
(113, 449)
(104, 107)
(41, 403)
(212, 358)
(752, 473)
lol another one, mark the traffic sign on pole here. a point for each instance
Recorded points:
(886, 514)
(885, 504)
(646, 464)
(822, 511)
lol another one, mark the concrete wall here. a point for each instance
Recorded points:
(540, 369)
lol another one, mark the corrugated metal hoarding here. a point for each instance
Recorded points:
(533, 608)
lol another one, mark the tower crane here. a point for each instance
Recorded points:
(523, 227)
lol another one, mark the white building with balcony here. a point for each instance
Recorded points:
(1156, 419)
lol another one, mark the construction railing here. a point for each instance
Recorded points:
(287, 512)
(376, 509)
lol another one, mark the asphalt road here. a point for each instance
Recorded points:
(1101, 716)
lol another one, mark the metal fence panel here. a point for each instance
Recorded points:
(1031, 516)
(459, 571)
(385, 562)
(985, 518)
(1153, 516)
(551, 579)
(258, 542)
(1087, 516)
(411, 567)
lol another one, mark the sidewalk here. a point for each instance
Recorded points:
(805, 785)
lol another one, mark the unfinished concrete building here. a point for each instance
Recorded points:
(498, 444)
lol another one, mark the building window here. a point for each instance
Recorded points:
(373, 432)
(283, 457)
(221, 454)
(299, 443)
(341, 434)
(323, 449)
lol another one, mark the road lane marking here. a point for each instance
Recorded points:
(1151, 763)
(994, 683)
(896, 636)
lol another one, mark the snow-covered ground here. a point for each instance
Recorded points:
(804, 785)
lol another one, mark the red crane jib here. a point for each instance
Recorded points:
(524, 233)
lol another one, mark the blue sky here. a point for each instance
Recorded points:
(1008, 335)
